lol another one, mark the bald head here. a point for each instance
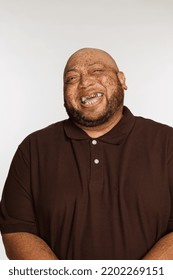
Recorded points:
(83, 58)
(87, 56)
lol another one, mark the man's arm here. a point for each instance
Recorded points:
(162, 250)
(26, 246)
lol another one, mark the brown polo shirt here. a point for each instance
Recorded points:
(104, 198)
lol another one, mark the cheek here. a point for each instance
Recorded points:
(70, 94)
(109, 82)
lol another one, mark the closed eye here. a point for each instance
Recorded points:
(71, 79)
(97, 70)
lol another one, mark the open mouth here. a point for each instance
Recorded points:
(91, 99)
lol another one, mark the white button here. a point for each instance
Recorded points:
(94, 142)
(96, 161)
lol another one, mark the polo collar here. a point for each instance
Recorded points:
(115, 136)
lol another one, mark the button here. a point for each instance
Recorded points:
(96, 161)
(94, 142)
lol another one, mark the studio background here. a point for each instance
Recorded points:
(38, 36)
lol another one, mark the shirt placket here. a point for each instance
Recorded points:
(96, 164)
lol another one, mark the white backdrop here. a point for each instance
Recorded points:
(37, 37)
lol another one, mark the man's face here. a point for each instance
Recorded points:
(92, 91)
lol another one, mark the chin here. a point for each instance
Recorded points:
(91, 117)
(86, 120)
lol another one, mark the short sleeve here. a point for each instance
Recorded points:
(16, 207)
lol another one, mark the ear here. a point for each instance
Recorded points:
(122, 79)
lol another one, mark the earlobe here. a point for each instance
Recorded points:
(122, 79)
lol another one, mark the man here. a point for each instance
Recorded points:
(96, 186)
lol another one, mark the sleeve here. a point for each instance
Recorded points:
(170, 178)
(16, 207)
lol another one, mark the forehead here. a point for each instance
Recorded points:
(88, 58)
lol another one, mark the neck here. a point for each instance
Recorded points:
(95, 132)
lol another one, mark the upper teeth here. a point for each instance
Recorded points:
(84, 98)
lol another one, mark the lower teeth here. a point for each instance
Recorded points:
(89, 102)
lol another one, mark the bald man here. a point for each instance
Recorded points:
(95, 186)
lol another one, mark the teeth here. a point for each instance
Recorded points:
(90, 102)
(85, 100)
(99, 94)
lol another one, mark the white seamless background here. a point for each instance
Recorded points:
(38, 36)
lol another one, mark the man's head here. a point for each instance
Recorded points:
(93, 87)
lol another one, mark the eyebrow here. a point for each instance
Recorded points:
(71, 69)
(74, 69)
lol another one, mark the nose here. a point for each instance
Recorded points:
(85, 81)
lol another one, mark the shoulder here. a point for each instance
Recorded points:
(152, 126)
(44, 137)
(154, 134)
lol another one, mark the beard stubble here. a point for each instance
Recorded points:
(114, 104)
